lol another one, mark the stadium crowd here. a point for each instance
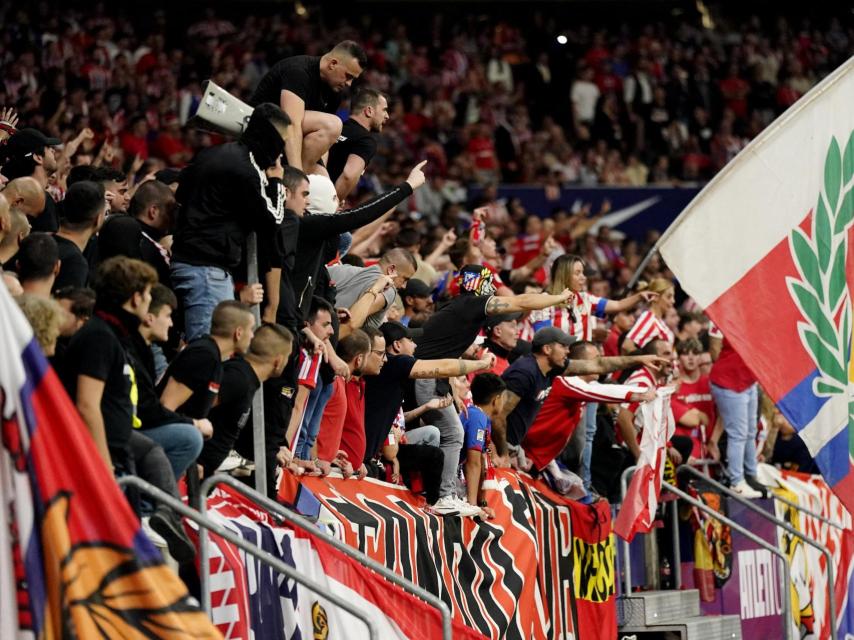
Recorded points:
(398, 327)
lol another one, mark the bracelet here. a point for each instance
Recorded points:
(483, 503)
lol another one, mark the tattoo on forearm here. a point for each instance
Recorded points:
(496, 306)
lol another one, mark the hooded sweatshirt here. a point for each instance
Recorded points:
(225, 194)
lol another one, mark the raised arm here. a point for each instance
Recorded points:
(604, 364)
(448, 367)
(327, 225)
(629, 302)
(499, 423)
(499, 305)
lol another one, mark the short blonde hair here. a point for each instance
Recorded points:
(45, 317)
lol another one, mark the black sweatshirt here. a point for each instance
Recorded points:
(224, 195)
(316, 229)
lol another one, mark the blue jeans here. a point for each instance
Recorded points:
(200, 289)
(181, 441)
(589, 422)
(739, 412)
(424, 435)
(310, 426)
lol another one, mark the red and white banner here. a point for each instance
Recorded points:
(249, 599)
(810, 605)
(637, 512)
(543, 568)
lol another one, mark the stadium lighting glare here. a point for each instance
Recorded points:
(561, 39)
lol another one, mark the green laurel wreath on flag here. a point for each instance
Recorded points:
(821, 293)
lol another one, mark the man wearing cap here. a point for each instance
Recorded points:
(502, 340)
(529, 378)
(449, 333)
(417, 297)
(83, 211)
(29, 152)
(384, 395)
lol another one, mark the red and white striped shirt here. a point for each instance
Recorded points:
(576, 318)
(309, 367)
(647, 328)
(561, 413)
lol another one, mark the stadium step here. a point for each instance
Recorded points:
(672, 614)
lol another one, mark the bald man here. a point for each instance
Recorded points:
(26, 195)
(19, 228)
(308, 89)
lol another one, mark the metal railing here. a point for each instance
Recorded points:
(674, 523)
(266, 558)
(785, 591)
(281, 512)
(785, 526)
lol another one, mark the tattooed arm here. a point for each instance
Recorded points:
(498, 305)
(499, 422)
(449, 367)
(609, 364)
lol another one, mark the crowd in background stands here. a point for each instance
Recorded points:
(484, 98)
(99, 169)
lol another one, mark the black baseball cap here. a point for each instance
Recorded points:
(26, 141)
(550, 335)
(417, 289)
(167, 176)
(494, 321)
(392, 331)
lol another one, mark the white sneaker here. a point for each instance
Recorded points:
(445, 506)
(156, 539)
(465, 509)
(745, 490)
(231, 462)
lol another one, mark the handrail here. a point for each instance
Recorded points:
(266, 558)
(293, 518)
(812, 514)
(627, 565)
(787, 578)
(785, 526)
(677, 550)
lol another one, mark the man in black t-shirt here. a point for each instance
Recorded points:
(448, 333)
(99, 377)
(193, 380)
(357, 145)
(37, 263)
(82, 213)
(266, 357)
(151, 217)
(384, 396)
(308, 89)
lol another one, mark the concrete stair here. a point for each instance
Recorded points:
(672, 614)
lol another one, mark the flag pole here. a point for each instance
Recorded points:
(258, 434)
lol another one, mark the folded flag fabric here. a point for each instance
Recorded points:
(74, 562)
